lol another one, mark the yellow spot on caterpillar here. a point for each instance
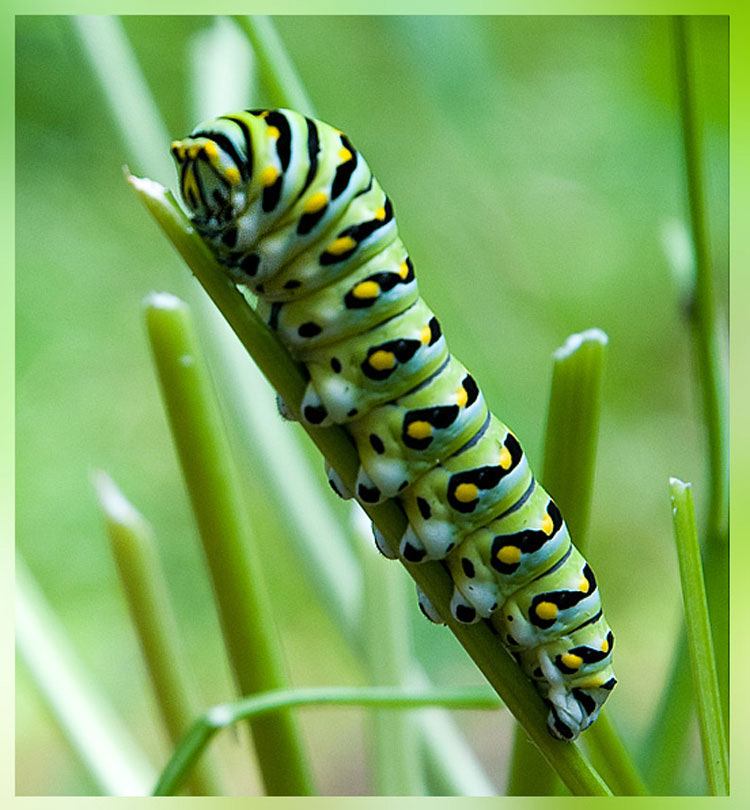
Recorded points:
(382, 360)
(419, 430)
(583, 585)
(425, 335)
(189, 185)
(344, 154)
(509, 554)
(194, 150)
(605, 646)
(461, 397)
(571, 660)
(315, 203)
(178, 150)
(211, 150)
(505, 459)
(380, 213)
(366, 289)
(546, 610)
(593, 683)
(341, 245)
(273, 132)
(232, 175)
(466, 492)
(268, 176)
(403, 270)
(547, 525)
(264, 114)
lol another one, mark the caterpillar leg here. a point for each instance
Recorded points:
(571, 710)
(314, 412)
(427, 608)
(381, 545)
(461, 610)
(366, 490)
(337, 485)
(411, 548)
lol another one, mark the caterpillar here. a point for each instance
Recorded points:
(293, 213)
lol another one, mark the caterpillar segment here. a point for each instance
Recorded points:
(294, 214)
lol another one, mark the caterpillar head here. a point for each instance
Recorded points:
(211, 181)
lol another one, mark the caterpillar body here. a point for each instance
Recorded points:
(293, 212)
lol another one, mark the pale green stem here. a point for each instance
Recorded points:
(568, 475)
(700, 646)
(479, 641)
(383, 697)
(230, 550)
(102, 742)
(277, 69)
(396, 761)
(132, 542)
(125, 91)
(573, 428)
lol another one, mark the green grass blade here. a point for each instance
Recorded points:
(381, 697)
(208, 469)
(568, 474)
(132, 542)
(479, 641)
(277, 69)
(706, 346)
(668, 734)
(703, 664)
(99, 737)
(573, 428)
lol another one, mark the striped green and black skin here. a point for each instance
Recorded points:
(293, 212)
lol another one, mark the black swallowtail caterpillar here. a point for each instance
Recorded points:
(293, 212)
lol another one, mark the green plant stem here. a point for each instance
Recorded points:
(479, 641)
(143, 581)
(100, 739)
(705, 341)
(573, 428)
(568, 474)
(383, 697)
(214, 490)
(277, 69)
(668, 733)
(703, 665)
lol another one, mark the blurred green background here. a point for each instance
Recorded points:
(535, 166)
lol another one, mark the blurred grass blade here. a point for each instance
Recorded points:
(700, 646)
(132, 543)
(385, 632)
(214, 490)
(277, 69)
(451, 766)
(479, 641)
(222, 70)
(384, 697)
(102, 742)
(126, 92)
